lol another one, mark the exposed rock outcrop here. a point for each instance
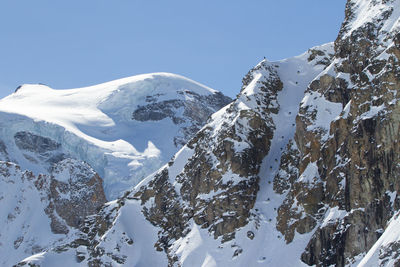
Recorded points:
(322, 192)
(346, 157)
(40, 211)
(124, 129)
(213, 180)
(75, 191)
(193, 111)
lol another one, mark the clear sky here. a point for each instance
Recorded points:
(75, 43)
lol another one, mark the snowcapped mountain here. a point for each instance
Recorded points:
(301, 169)
(66, 141)
(199, 209)
(125, 129)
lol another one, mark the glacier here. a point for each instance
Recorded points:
(119, 127)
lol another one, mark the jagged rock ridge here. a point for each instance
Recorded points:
(52, 133)
(300, 170)
(347, 189)
(209, 188)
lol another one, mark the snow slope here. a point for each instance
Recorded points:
(21, 210)
(30, 207)
(95, 124)
(193, 219)
(384, 251)
(131, 240)
(199, 247)
(268, 248)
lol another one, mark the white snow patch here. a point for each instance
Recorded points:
(310, 174)
(333, 215)
(373, 111)
(325, 111)
(391, 234)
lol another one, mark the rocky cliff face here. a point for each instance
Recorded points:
(300, 170)
(209, 189)
(196, 110)
(39, 212)
(347, 134)
(214, 178)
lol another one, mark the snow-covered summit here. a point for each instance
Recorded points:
(213, 203)
(300, 170)
(125, 129)
(93, 105)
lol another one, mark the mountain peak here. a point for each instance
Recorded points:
(300, 169)
(139, 122)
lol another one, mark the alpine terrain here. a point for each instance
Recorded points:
(64, 153)
(301, 169)
(125, 129)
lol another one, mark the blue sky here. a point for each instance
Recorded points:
(75, 43)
